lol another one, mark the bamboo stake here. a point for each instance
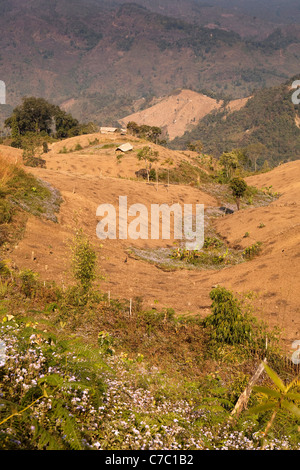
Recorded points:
(244, 397)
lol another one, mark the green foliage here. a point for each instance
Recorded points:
(83, 261)
(20, 191)
(66, 126)
(238, 187)
(227, 323)
(229, 161)
(213, 254)
(151, 133)
(212, 257)
(148, 156)
(38, 116)
(212, 242)
(152, 174)
(184, 173)
(105, 342)
(45, 147)
(33, 115)
(276, 398)
(109, 380)
(252, 250)
(29, 282)
(6, 211)
(42, 400)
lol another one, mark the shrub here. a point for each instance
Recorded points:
(83, 261)
(29, 282)
(227, 323)
(252, 250)
(6, 212)
(238, 187)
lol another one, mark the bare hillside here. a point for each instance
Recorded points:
(93, 175)
(179, 112)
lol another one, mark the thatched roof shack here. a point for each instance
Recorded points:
(125, 148)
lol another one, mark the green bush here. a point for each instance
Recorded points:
(29, 282)
(6, 212)
(227, 324)
(252, 250)
(83, 261)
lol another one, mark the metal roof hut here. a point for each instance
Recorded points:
(108, 130)
(125, 148)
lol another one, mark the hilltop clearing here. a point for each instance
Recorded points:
(179, 112)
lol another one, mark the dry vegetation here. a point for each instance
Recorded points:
(109, 352)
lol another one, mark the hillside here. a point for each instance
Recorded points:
(255, 19)
(178, 112)
(122, 345)
(91, 57)
(269, 118)
(93, 175)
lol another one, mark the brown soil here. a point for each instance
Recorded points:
(93, 176)
(179, 112)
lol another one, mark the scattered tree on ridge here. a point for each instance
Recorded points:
(238, 187)
(149, 156)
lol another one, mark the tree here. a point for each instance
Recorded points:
(15, 133)
(133, 127)
(33, 146)
(243, 159)
(229, 161)
(33, 115)
(195, 146)
(155, 132)
(66, 125)
(256, 151)
(238, 187)
(83, 261)
(149, 156)
(37, 116)
(228, 324)
(146, 132)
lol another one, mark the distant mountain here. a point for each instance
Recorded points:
(248, 18)
(269, 118)
(98, 58)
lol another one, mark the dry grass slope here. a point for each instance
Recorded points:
(93, 175)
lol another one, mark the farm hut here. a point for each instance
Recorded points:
(125, 148)
(108, 130)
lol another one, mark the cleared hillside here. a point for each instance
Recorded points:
(91, 176)
(179, 112)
